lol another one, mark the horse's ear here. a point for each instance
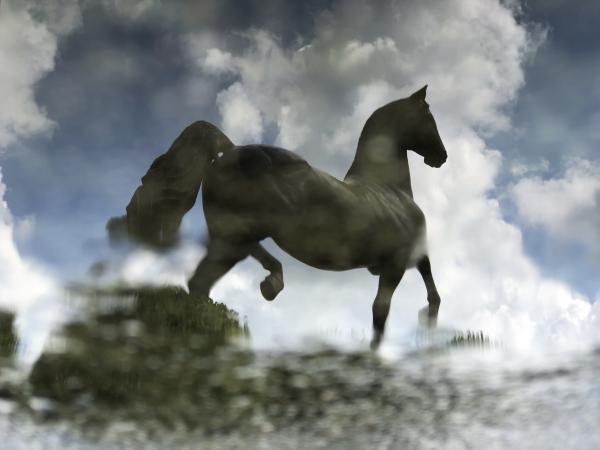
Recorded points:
(420, 94)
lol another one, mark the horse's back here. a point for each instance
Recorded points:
(262, 185)
(256, 160)
(255, 174)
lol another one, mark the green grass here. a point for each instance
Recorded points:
(134, 344)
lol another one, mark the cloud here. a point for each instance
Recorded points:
(242, 121)
(131, 9)
(217, 61)
(20, 281)
(473, 59)
(568, 207)
(317, 96)
(143, 267)
(27, 51)
(25, 288)
(59, 16)
(23, 228)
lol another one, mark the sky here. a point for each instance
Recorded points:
(93, 91)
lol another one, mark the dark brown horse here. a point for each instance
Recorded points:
(255, 192)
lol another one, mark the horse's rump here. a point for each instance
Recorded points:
(169, 187)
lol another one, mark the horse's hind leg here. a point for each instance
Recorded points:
(220, 257)
(428, 315)
(273, 283)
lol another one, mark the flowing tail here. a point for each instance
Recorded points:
(169, 188)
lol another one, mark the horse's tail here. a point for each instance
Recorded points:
(170, 187)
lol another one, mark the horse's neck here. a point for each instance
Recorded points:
(378, 162)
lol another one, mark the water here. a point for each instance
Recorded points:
(145, 375)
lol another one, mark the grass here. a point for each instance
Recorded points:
(161, 359)
(446, 340)
(475, 339)
(145, 339)
(158, 356)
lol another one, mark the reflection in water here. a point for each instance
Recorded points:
(158, 369)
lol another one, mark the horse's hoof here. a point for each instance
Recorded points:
(427, 319)
(375, 344)
(270, 287)
(267, 290)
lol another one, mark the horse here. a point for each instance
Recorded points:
(253, 192)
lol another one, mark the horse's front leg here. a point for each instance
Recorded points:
(428, 315)
(273, 282)
(388, 281)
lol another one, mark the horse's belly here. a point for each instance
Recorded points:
(333, 241)
(343, 240)
(322, 252)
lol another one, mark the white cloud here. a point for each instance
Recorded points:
(242, 121)
(25, 288)
(27, 52)
(217, 61)
(20, 281)
(318, 96)
(141, 267)
(518, 169)
(472, 61)
(357, 53)
(568, 207)
(487, 280)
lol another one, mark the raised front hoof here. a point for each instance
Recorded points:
(270, 287)
(428, 317)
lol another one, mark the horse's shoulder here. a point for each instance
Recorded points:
(385, 203)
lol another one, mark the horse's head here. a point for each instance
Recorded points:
(420, 133)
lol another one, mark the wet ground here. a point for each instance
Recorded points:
(158, 369)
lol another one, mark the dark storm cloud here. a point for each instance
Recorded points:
(290, 21)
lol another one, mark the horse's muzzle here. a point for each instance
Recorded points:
(436, 160)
